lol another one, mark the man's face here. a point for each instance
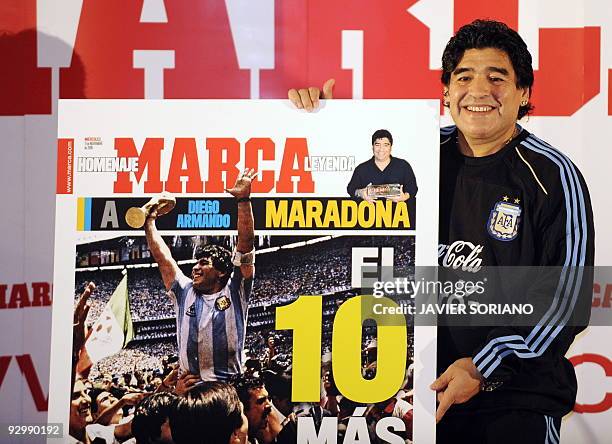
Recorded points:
(204, 275)
(80, 410)
(105, 400)
(382, 149)
(107, 382)
(259, 409)
(483, 96)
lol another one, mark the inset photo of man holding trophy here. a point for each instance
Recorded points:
(383, 176)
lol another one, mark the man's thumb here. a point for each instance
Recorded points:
(440, 383)
(328, 88)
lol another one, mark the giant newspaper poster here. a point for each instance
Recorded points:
(241, 241)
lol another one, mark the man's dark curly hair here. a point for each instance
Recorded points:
(207, 414)
(381, 133)
(243, 384)
(149, 416)
(482, 34)
(220, 257)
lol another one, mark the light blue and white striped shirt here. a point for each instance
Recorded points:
(211, 328)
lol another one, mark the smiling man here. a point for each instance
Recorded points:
(212, 305)
(382, 169)
(507, 198)
(80, 413)
(512, 200)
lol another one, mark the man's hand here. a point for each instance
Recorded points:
(401, 198)
(169, 382)
(133, 398)
(80, 315)
(242, 188)
(363, 193)
(308, 98)
(458, 384)
(185, 383)
(152, 212)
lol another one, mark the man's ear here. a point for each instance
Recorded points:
(526, 94)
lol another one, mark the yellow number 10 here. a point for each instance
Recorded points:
(304, 317)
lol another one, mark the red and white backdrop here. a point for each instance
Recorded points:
(258, 49)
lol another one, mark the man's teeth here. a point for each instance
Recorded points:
(479, 109)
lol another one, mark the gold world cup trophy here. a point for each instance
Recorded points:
(136, 216)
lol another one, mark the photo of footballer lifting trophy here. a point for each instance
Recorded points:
(383, 176)
(217, 290)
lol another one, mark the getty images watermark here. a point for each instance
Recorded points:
(488, 296)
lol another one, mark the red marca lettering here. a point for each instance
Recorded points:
(24, 87)
(185, 152)
(309, 49)
(467, 11)
(604, 363)
(4, 365)
(578, 51)
(216, 167)
(206, 65)
(606, 300)
(390, 33)
(149, 158)
(29, 372)
(264, 182)
(19, 296)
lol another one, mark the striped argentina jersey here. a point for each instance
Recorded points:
(210, 328)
